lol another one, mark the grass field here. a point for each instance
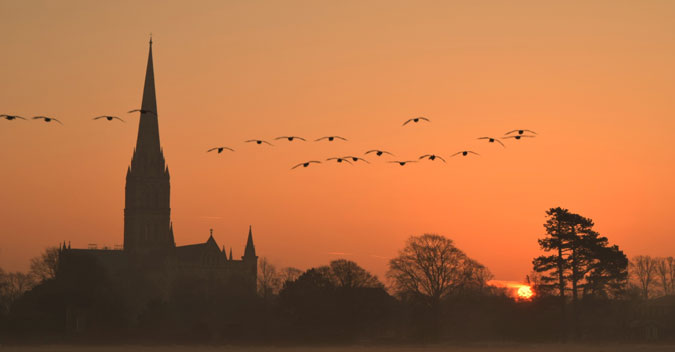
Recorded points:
(451, 348)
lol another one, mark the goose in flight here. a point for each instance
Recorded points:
(143, 111)
(432, 157)
(220, 149)
(356, 158)
(306, 163)
(519, 136)
(11, 117)
(416, 120)
(379, 152)
(339, 160)
(520, 132)
(331, 138)
(290, 138)
(46, 119)
(464, 153)
(492, 140)
(402, 163)
(258, 141)
(107, 117)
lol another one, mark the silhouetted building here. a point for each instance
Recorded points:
(150, 262)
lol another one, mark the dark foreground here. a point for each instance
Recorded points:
(465, 348)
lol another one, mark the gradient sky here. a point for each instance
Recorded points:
(595, 79)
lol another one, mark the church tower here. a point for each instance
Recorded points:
(147, 212)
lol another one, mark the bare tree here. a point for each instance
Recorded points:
(477, 275)
(665, 271)
(12, 286)
(44, 267)
(346, 273)
(671, 270)
(643, 269)
(4, 283)
(269, 280)
(289, 274)
(431, 267)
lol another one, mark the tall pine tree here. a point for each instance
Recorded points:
(580, 260)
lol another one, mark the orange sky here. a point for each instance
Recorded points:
(593, 78)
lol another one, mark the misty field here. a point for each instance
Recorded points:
(462, 348)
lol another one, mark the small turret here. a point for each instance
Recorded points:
(249, 251)
(250, 260)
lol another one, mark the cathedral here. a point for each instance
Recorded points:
(149, 261)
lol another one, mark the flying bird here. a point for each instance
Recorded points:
(492, 140)
(416, 120)
(519, 132)
(402, 163)
(290, 138)
(379, 152)
(257, 141)
(220, 149)
(46, 118)
(306, 163)
(355, 158)
(464, 153)
(432, 157)
(331, 138)
(339, 160)
(143, 111)
(107, 117)
(11, 117)
(519, 136)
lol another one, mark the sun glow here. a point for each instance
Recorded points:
(517, 290)
(525, 292)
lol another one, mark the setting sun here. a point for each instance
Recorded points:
(525, 292)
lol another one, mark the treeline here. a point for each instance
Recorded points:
(652, 276)
(585, 289)
(14, 285)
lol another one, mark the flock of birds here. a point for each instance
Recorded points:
(514, 134)
(349, 159)
(50, 119)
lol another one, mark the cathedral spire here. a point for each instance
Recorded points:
(147, 211)
(148, 129)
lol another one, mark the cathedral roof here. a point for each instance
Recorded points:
(195, 252)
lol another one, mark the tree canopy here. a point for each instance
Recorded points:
(581, 259)
(432, 268)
